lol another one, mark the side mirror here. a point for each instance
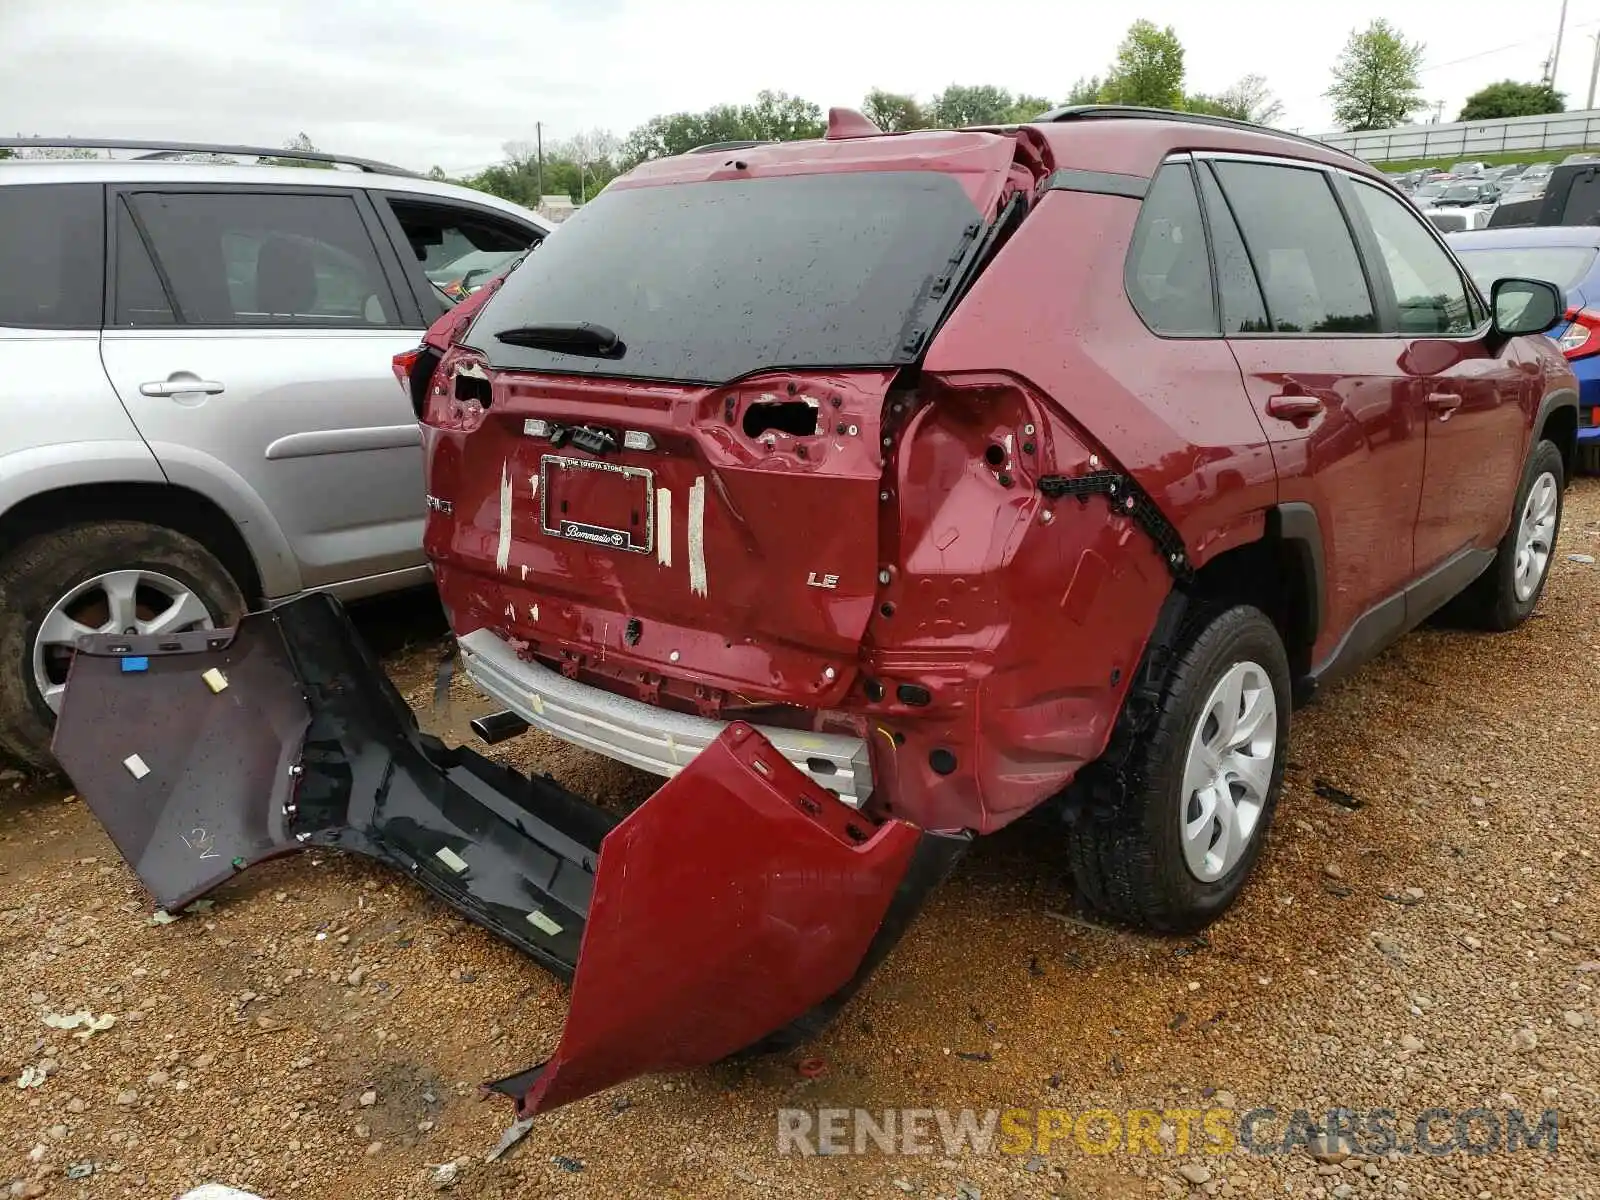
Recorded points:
(1523, 306)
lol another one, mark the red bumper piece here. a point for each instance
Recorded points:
(734, 902)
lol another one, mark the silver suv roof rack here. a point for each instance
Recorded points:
(155, 148)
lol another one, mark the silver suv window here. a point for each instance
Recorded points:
(243, 258)
(50, 255)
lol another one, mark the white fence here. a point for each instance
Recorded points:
(1562, 132)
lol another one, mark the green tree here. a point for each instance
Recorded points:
(958, 106)
(1086, 91)
(579, 167)
(1025, 108)
(437, 172)
(1509, 98)
(1148, 70)
(1248, 100)
(775, 116)
(1375, 83)
(893, 112)
(299, 141)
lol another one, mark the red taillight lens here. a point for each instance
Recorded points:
(404, 363)
(1582, 337)
(414, 370)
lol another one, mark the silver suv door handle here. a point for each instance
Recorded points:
(180, 387)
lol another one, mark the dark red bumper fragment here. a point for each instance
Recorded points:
(740, 904)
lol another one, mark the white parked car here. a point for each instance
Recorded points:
(1454, 220)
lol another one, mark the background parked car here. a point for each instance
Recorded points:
(200, 409)
(1468, 194)
(1569, 257)
(1452, 220)
(1427, 193)
(1525, 187)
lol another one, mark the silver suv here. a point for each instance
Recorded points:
(198, 410)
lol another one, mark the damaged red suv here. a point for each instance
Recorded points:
(878, 490)
(953, 461)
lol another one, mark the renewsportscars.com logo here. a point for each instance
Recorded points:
(1261, 1131)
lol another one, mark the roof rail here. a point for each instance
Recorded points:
(1078, 112)
(716, 147)
(159, 149)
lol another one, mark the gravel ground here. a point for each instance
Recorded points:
(319, 1032)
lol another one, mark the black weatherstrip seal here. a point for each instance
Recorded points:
(1127, 499)
(1100, 183)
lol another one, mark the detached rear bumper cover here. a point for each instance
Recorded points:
(739, 905)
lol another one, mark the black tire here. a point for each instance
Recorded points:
(39, 572)
(1490, 601)
(1125, 845)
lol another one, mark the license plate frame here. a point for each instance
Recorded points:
(585, 532)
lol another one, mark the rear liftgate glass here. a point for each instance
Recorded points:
(737, 908)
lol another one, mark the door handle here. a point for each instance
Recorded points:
(1443, 403)
(1293, 408)
(180, 387)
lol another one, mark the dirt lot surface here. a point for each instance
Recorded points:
(1432, 942)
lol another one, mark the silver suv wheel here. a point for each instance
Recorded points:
(129, 601)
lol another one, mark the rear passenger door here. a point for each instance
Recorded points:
(1343, 416)
(1473, 400)
(250, 338)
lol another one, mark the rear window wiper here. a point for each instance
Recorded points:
(568, 337)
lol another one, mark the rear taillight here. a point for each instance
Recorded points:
(1582, 337)
(403, 364)
(413, 368)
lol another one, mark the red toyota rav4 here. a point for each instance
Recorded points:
(881, 489)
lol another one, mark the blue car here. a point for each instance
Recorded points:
(1569, 257)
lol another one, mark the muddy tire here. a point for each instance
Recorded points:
(1167, 842)
(1506, 594)
(145, 571)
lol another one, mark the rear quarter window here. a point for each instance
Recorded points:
(51, 247)
(1168, 273)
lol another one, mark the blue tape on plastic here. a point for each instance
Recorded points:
(135, 663)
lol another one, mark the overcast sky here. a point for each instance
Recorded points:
(423, 82)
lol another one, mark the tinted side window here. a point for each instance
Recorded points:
(51, 247)
(1428, 289)
(141, 297)
(1168, 274)
(241, 258)
(1302, 248)
(1243, 310)
(458, 249)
